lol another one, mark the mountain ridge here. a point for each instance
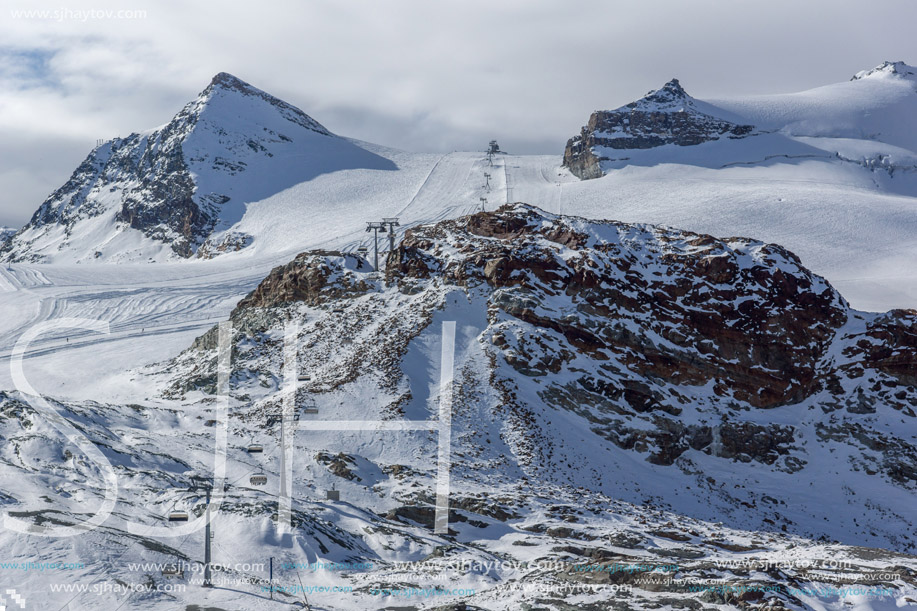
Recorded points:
(182, 184)
(677, 353)
(667, 115)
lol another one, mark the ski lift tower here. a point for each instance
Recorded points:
(200, 483)
(492, 149)
(375, 227)
(391, 223)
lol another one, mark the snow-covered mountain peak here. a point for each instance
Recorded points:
(669, 95)
(230, 81)
(888, 69)
(183, 186)
(226, 90)
(665, 116)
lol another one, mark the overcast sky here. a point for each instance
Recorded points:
(423, 75)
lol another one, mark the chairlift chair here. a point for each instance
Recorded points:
(310, 410)
(178, 516)
(258, 480)
(255, 449)
(173, 571)
(304, 377)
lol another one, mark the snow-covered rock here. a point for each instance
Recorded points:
(665, 116)
(895, 69)
(865, 121)
(6, 233)
(168, 191)
(722, 368)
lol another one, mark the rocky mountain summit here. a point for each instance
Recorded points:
(897, 69)
(665, 116)
(183, 185)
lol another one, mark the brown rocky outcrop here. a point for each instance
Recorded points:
(313, 277)
(662, 304)
(665, 116)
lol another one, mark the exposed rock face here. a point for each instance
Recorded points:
(890, 345)
(668, 319)
(740, 313)
(312, 277)
(666, 116)
(899, 69)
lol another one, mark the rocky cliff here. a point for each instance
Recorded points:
(665, 116)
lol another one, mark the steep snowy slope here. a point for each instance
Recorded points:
(875, 105)
(178, 189)
(617, 387)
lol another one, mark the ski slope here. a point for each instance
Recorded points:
(832, 176)
(156, 310)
